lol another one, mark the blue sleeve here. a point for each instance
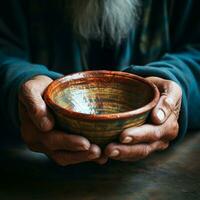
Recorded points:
(183, 67)
(15, 65)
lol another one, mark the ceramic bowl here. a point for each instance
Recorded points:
(99, 105)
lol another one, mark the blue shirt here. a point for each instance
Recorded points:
(36, 39)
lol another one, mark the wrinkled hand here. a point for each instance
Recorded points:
(37, 128)
(139, 142)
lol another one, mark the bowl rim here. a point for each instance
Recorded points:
(95, 117)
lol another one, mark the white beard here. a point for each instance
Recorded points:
(100, 19)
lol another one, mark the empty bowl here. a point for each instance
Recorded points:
(99, 105)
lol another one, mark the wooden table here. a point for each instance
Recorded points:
(173, 175)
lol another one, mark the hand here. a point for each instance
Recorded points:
(139, 142)
(37, 128)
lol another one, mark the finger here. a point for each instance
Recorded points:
(64, 158)
(57, 140)
(150, 133)
(169, 102)
(133, 152)
(31, 96)
(165, 107)
(52, 140)
(29, 131)
(102, 160)
(144, 134)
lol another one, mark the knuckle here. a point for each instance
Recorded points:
(27, 87)
(38, 109)
(176, 87)
(166, 84)
(165, 146)
(179, 90)
(157, 134)
(29, 95)
(173, 84)
(126, 132)
(146, 151)
(162, 146)
(174, 130)
(28, 84)
(34, 110)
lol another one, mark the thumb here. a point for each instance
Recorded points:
(163, 110)
(31, 96)
(169, 101)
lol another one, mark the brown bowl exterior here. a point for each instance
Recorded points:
(99, 132)
(99, 129)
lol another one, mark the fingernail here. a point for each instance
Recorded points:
(161, 115)
(85, 147)
(92, 156)
(44, 123)
(114, 153)
(127, 140)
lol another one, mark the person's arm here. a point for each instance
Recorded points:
(23, 84)
(15, 65)
(182, 67)
(176, 74)
(182, 63)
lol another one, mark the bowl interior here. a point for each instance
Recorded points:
(101, 93)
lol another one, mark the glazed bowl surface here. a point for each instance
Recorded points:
(99, 105)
